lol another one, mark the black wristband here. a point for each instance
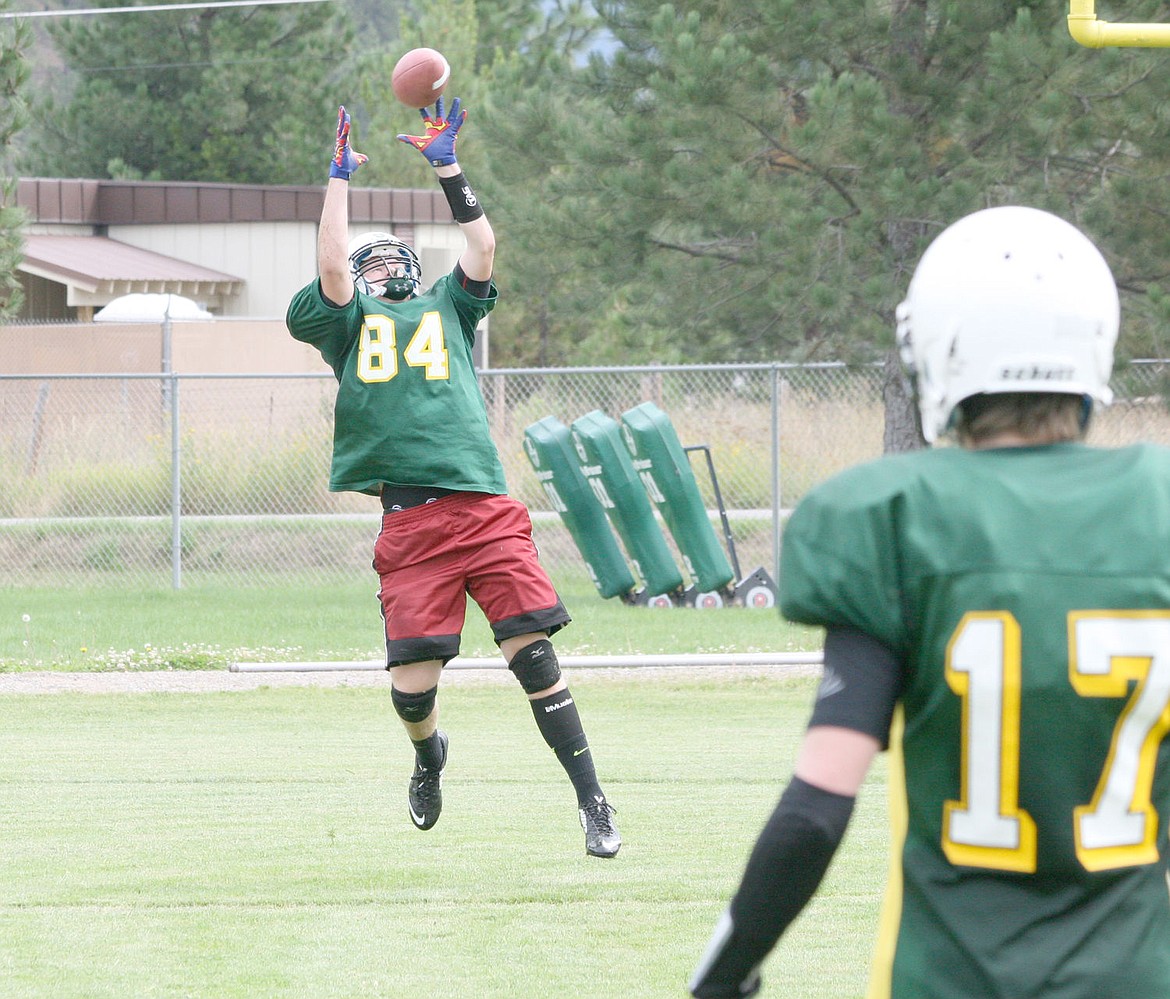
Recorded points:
(465, 206)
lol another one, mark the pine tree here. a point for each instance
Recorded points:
(15, 37)
(481, 40)
(755, 179)
(214, 94)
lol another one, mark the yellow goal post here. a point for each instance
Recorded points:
(1085, 28)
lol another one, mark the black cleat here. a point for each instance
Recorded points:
(602, 838)
(426, 790)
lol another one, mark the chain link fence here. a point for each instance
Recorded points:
(174, 480)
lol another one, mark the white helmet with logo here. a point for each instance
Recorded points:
(1007, 300)
(371, 250)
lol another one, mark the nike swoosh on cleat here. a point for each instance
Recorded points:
(418, 819)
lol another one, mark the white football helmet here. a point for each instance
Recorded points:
(1007, 300)
(370, 249)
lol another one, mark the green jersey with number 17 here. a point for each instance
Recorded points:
(409, 411)
(1027, 593)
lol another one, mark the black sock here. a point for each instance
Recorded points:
(558, 721)
(428, 751)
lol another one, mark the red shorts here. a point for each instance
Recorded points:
(430, 557)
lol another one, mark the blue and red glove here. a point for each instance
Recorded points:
(438, 144)
(345, 159)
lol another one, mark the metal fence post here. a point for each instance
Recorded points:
(776, 494)
(176, 487)
(38, 424)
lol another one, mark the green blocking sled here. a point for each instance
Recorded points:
(606, 465)
(553, 457)
(593, 482)
(665, 471)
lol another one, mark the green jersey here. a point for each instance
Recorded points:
(1027, 594)
(409, 410)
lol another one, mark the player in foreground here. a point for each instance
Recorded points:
(998, 614)
(411, 427)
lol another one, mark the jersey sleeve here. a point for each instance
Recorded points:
(470, 308)
(314, 321)
(839, 564)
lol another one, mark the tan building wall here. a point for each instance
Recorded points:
(261, 240)
(221, 346)
(275, 258)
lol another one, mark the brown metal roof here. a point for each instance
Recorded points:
(101, 264)
(140, 202)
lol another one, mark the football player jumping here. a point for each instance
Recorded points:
(998, 615)
(411, 427)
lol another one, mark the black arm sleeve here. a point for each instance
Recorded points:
(785, 868)
(860, 684)
(480, 289)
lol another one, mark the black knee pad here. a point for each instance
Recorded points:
(414, 707)
(536, 666)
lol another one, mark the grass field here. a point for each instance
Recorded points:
(255, 844)
(120, 627)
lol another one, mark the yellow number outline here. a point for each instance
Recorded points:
(377, 359)
(986, 827)
(1110, 652)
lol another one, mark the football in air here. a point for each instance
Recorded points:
(419, 77)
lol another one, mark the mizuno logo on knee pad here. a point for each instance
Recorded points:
(536, 666)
